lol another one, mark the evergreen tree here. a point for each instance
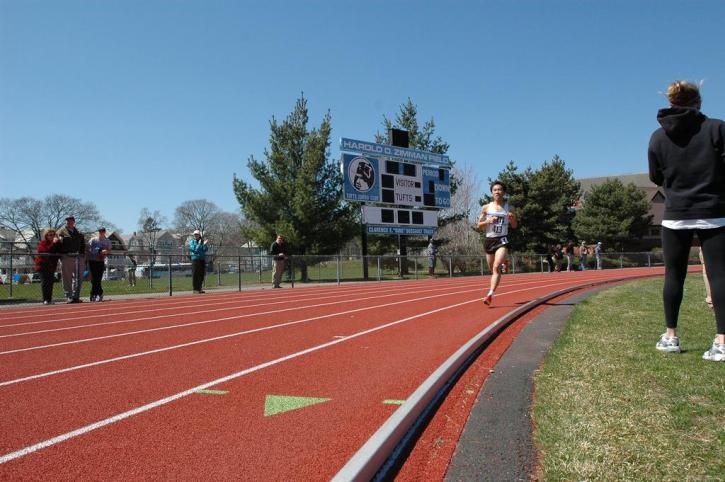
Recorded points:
(300, 190)
(544, 201)
(615, 214)
(422, 138)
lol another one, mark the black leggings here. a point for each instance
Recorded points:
(676, 247)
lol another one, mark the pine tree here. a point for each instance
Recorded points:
(615, 214)
(300, 190)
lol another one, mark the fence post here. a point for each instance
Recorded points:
(10, 276)
(292, 270)
(481, 265)
(379, 268)
(338, 268)
(450, 267)
(513, 264)
(260, 269)
(649, 260)
(239, 272)
(415, 261)
(541, 260)
(621, 261)
(171, 283)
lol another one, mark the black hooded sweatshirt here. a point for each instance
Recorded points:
(687, 158)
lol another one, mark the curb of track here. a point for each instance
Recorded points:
(382, 450)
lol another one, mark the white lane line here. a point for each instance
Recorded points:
(185, 300)
(207, 302)
(176, 315)
(240, 333)
(158, 403)
(238, 305)
(216, 338)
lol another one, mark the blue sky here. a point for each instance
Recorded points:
(132, 104)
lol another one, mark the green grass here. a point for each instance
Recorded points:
(608, 406)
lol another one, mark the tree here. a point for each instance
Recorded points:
(149, 224)
(458, 236)
(27, 213)
(544, 201)
(196, 214)
(615, 214)
(422, 138)
(300, 189)
(225, 232)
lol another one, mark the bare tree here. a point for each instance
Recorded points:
(196, 214)
(149, 224)
(459, 236)
(225, 232)
(27, 213)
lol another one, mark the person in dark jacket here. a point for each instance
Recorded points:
(47, 262)
(98, 248)
(73, 261)
(198, 247)
(278, 250)
(687, 158)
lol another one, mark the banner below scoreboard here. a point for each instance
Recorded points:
(383, 220)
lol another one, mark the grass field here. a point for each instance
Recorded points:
(608, 406)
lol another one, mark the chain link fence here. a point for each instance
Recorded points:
(130, 273)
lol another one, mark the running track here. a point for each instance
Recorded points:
(196, 387)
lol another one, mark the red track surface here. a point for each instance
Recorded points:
(109, 391)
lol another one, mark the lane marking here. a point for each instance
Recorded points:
(164, 401)
(276, 404)
(213, 392)
(240, 333)
(184, 302)
(393, 402)
(174, 315)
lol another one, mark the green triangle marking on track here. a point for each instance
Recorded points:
(213, 392)
(393, 402)
(274, 404)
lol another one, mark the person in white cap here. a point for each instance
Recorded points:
(197, 249)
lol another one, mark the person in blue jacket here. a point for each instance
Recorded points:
(197, 249)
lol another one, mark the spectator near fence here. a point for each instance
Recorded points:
(197, 250)
(583, 255)
(432, 255)
(47, 262)
(279, 251)
(73, 261)
(131, 265)
(569, 251)
(98, 248)
(687, 158)
(598, 254)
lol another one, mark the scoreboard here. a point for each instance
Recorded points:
(394, 182)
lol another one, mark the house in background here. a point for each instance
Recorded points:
(654, 194)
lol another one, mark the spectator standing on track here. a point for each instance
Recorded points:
(73, 261)
(432, 255)
(279, 251)
(131, 265)
(46, 263)
(687, 158)
(583, 255)
(198, 247)
(598, 254)
(98, 248)
(496, 217)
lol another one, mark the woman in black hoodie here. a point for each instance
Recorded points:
(687, 158)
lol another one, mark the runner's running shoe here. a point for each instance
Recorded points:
(715, 353)
(488, 300)
(670, 344)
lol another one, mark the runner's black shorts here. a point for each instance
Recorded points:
(491, 245)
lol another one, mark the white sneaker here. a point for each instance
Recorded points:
(670, 344)
(715, 353)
